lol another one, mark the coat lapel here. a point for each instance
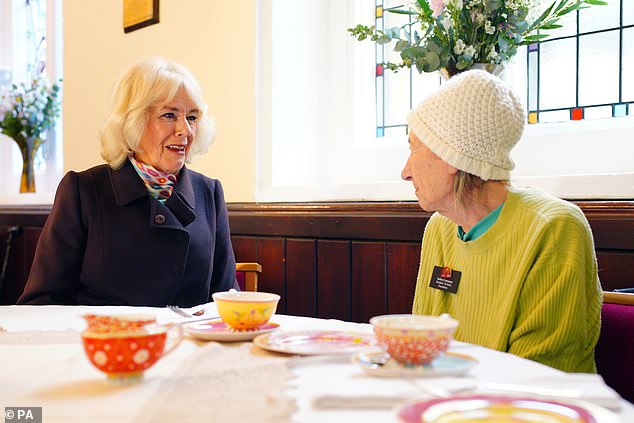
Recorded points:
(182, 202)
(178, 210)
(126, 184)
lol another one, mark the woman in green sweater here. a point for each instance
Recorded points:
(515, 266)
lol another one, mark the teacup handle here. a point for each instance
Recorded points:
(176, 342)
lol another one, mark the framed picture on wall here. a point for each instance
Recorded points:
(139, 13)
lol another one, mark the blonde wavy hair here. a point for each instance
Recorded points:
(139, 88)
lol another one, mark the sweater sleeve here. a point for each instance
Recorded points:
(59, 251)
(558, 317)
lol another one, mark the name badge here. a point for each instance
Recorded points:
(445, 279)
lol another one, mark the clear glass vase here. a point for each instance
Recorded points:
(28, 148)
(492, 68)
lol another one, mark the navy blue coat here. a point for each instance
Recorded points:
(107, 242)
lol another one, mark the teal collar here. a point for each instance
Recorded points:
(481, 227)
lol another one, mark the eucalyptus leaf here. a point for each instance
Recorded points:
(402, 12)
(463, 63)
(400, 45)
(394, 32)
(432, 60)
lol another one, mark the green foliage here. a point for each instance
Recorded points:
(454, 34)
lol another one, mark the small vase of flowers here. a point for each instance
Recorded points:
(26, 113)
(453, 35)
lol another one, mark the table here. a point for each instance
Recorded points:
(43, 364)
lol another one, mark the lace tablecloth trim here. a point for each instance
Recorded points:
(34, 337)
(224, 374)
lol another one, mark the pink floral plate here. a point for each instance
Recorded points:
(314, 342)
(503, 408)
(217, 330)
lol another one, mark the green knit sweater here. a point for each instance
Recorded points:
(529, 285)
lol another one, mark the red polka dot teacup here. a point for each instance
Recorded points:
(125, 346)
(413, 339)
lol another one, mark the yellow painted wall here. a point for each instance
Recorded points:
(214, 39)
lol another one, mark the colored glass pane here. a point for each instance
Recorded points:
(532, 117)
(619, 110)
(379, 70)
(576, 114)
(379, 12)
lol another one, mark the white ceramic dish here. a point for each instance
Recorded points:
(314, 342)
(217, 330)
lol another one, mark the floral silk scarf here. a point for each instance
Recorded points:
(160, 185)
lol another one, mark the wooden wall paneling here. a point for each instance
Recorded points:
(333, 280)
(402, 270)
(301, 278)
(368, 280)
(271, 255)
(6, 294)
(245, 248)
(346, 288)
(20, 260)
(360, 221)
(616, 270)
(612, 223)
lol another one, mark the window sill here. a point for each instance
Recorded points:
(26, 199)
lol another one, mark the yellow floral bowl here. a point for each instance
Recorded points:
(245, 310)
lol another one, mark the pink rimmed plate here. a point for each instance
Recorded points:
(314, 342)
(503, 408)
(217, 330)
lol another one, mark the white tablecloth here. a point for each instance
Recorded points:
(53, 372)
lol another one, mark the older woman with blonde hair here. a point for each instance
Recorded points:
(514, 265)
(142, 229)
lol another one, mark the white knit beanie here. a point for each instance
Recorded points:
(472, 122)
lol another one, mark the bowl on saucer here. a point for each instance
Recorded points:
(413, 339)
(245, 310)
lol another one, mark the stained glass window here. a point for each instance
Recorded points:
(582, 71)
(396, 91)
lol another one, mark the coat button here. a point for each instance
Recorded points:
(159, 219)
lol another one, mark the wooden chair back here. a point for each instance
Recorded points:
(247, 275)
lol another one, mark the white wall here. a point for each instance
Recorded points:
(214, 39)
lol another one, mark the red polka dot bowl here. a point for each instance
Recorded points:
(123, 347)
(413, 339)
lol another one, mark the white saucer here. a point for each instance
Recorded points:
(447, 364)
(217, 330)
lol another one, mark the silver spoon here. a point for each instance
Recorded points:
(176, 309)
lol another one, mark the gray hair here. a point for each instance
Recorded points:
(468, 186)
(139, 88)
(465, 184)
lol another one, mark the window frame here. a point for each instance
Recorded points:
(46, 181)
(357, 153)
